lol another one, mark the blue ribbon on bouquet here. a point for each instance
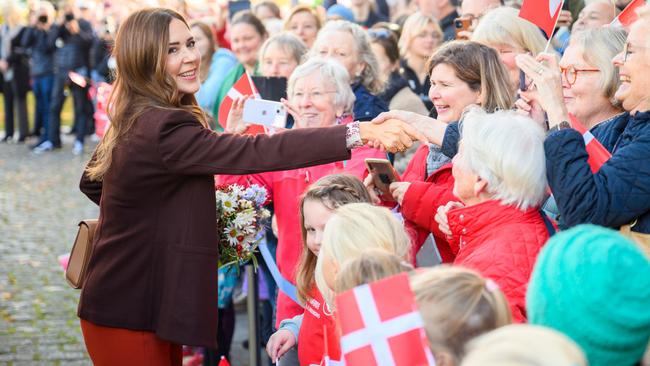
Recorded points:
(283, 284)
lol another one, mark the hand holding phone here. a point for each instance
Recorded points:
(462, 26)
(265, 112)
(383, 174)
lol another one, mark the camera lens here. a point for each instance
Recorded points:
(42, 19)
(458, 24)
(69, 17)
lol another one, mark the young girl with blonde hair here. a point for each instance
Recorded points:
(316, 206)
(350, 232)
(457, 304)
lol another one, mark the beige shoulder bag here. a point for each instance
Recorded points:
(80, 254)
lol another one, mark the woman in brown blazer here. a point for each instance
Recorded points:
(152, 278)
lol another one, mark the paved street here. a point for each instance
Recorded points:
(40, 205)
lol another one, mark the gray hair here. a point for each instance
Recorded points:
(331, 72)
(507, 151)
(598, 47)
(370, 76)
(289, 43)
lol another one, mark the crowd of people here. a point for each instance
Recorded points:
(522, 245)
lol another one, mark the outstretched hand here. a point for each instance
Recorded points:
(235, 122)
(392, 135)
(432, 129)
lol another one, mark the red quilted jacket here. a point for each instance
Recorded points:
(502, 243)
(423, 198)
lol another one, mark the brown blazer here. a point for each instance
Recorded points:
(154, 267)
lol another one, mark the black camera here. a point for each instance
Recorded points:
(69, 17)
(42, 19)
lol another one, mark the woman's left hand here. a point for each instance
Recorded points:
(293, 111)
(235, 122)
(548, 82)
(398, 190)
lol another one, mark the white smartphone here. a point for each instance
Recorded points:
(265, 112)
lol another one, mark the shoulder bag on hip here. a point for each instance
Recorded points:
(80, 254)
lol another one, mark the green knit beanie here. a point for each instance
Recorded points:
(593, 285)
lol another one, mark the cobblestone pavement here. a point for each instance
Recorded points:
(40, 205)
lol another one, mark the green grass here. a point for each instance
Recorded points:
(67, 113)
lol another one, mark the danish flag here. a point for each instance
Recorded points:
(542, 13)
(628, 15)
(243, 86)
(381, 325)
(598, 155)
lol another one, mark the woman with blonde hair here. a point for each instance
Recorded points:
(304, 22)
(349, 44)
(352, 230)
(456, 305)
(421, 35)
(151, 284)
(503, 30)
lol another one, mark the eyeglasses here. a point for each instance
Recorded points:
(571, 73)
(627, 52)
(313, 95)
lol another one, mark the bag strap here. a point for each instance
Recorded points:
(549, 225)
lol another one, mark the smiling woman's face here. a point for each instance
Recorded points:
(183, 58)
(314, 99)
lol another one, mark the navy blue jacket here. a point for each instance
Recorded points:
(73, 50)
(35, 41)
(619, 193)
(367, 106)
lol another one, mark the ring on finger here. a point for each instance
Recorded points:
(540, 71)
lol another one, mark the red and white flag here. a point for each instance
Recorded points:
(381, 325)
(243, 86)
(628, 15)
(598, 155)
(542, 13)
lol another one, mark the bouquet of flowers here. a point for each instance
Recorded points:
(241, 219)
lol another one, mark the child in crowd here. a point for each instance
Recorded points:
(316, 206)
(350, 232)
(372, 265)
(457, 304)
(523, 345)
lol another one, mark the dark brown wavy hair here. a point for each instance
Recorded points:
(141, 81)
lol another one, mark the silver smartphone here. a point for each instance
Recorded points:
(265, 112)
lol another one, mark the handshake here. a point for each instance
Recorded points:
(395, 131)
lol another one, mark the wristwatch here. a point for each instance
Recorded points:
(560, 126)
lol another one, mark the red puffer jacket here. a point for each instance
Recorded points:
(502, 243)
(423, 198)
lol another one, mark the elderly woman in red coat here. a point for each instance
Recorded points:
(499, 177)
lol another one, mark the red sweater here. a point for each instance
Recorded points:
(318, 320)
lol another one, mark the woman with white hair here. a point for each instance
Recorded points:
(503, 30)
(500, 179)
(349, 44)
(319, 95)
